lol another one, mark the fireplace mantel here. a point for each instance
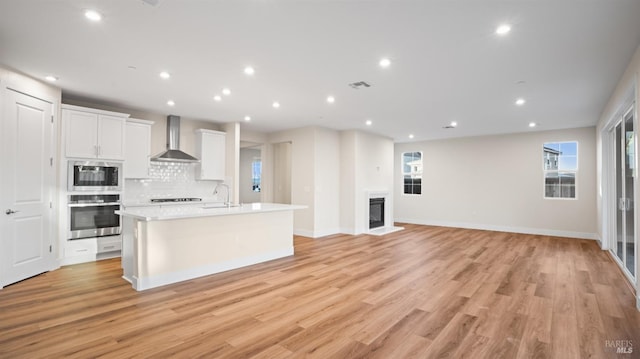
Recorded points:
(388, 212)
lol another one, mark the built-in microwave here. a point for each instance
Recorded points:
(94, 176)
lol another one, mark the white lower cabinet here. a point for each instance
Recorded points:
(109, 247)
(91, 249)
(109, 244)
(80, 251)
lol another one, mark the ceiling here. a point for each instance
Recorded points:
(447, 63)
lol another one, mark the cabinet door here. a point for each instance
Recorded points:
(111, 137)
(82, 134)
(212, 157)
(137, 146)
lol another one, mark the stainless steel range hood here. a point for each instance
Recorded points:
(173, 153)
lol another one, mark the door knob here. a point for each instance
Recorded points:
(10, 211)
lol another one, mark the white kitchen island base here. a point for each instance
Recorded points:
(164, 249)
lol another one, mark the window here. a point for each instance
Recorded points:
(412, 172)
(560, 166)
(256, 173)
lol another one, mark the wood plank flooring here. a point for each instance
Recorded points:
(425, 292)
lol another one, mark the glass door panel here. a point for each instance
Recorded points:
(629, 174)
(625, 172)
(619, 194)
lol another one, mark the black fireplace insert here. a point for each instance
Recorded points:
(376, 212)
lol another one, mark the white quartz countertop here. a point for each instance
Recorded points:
(163, 213)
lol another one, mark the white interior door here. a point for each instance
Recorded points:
(27, 184)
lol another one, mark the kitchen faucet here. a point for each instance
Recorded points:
(215, 191)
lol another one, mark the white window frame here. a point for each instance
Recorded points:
(421, 172)
(558, 171)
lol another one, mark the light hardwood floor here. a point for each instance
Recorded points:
(425, 292)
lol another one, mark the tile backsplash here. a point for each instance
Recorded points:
(168, 179)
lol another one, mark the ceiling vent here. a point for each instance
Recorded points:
(359, 85)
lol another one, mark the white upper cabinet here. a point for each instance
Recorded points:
(137, 148)
(210, 149)
(93, 133)
(82, 133)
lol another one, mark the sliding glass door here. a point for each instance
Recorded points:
(625, 172)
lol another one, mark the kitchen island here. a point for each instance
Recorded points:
(164, 244)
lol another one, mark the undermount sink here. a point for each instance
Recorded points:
(220, 206)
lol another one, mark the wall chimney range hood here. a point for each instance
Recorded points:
(173, 153)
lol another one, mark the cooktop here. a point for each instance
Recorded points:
(183, 199)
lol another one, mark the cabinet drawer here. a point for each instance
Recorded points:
(109, 245)
(80, 247)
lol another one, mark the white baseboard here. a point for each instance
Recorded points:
(303, 232)
(326, 232)
(638, 302)
(350, 231)
(381, 231)
(490, 227)
(316, 234)
(179, 276)
(78, 259)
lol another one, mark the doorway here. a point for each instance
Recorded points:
(282, 172)
(623, 167)
(250, 174)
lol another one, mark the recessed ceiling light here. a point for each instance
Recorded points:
(411, 135)
(247, 118)
(93, 15)
(226, 91)
(503, 29)
(368, 122)
(453, 124)
(276, 105)
(165, 75)
(171, 103)
(384, 63)
(520, 102)
(532, 124)
(249, 70)
(51, 78)
(331, 99)
(217, 98)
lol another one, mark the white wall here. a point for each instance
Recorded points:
(247, 156)
(626, 89)
(348, 174)
(302, 175)
(366, 165)
(232, 159)
(327, 182)
(496, 182)
(626, 86)
(281, 179)
(374, 172)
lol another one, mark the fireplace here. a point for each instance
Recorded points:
(376, 212)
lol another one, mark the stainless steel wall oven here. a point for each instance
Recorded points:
(93, 215)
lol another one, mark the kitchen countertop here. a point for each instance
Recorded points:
(201, 209)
